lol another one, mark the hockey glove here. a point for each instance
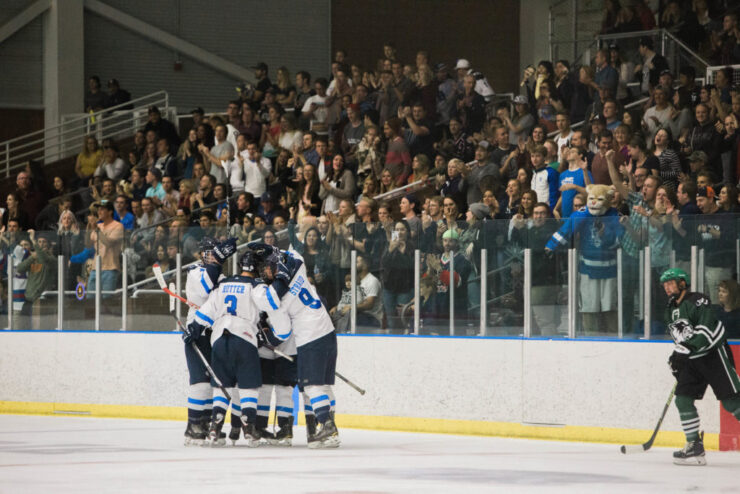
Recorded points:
(282, 273)
(266, 333)
(191, 332)
(677, 361)
(224, 249)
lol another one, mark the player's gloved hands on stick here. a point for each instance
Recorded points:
(677, 361)
(224, 249)
(191, 332)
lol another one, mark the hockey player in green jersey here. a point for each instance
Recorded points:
(701, 357)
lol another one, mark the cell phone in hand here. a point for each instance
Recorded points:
(394, 235)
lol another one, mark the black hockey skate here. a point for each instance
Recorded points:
(284, 436)
(195, 434)
(691, 454)
(251, 434)
(216, 438)
(234, 434)
(326, 436)
(310, 427)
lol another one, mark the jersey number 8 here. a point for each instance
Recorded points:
(308, 300)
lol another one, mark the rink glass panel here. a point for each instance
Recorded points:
(512, 256)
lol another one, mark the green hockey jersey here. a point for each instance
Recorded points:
(694, 326)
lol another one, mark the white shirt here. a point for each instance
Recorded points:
(255, 174)
(320, 115)
(370, 287)
(235, 173)
(563, 141)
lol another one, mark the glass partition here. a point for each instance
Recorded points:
(589, 277)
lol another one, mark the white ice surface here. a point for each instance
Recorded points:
(86, 455)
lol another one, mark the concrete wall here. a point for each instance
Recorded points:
(573, 383)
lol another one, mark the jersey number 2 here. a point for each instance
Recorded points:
(308, 300)
(230, 302)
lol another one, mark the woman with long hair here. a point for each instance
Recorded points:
(397, 158)
(289, 138)
(285, 90)
(727, 201)
(187, 153)
(89, 158)
(339, 185)
(14, 211)
(509, 205)
(271, 131)
(670, 165)
(682, 118)
(309, 202)
(640, 157)
(387, 181)
(729, 308)
(397, 265)
(526, 204)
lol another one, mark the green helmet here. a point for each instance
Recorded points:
(674, 274)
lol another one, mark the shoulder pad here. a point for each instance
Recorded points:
(697, 299)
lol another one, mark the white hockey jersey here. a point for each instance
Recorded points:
(309, 319)
(235, 306)
(198, 286)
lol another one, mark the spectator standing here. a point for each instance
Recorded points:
(704, 137)
(545, 180)
(162, 127)
(398, 157)
(716, 236)
(107, 241)
(41, 270)
(573, 181)
(652, 65)
(670, 165)
(315, 109)
(263, 82)
(31, 190)
(658, 116)
(256, 169)
(94, 97)
(398, 273)
(117, 96)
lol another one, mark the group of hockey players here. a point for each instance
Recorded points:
(263, 330)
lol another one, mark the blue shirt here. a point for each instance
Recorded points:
(157, 191)
(128, 221)
(571, 177)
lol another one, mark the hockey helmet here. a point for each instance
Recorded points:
(674, 274)
(207, 244)
(248, 262)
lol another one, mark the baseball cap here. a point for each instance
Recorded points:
(197, 110)
(440, 67)
(484, 144)
(462, 64)
(113, 82)
(666, 71)
(266, 197)
(598, 118)
(452, 234)
(153, 109)
(520, 100)
(479, 210)
(698, 156)
(707, 192)
(260, 66)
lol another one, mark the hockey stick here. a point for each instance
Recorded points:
(639, 448)
(157, 270)
(200, 354)
(350, 383)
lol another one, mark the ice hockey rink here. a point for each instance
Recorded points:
(91, 455)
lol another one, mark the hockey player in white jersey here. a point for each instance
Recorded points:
(281, 376)
(201, 279)
(236, 304)
(312, 328)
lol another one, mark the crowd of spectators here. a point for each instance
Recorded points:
(396, 158)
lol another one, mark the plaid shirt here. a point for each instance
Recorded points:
(634, 239)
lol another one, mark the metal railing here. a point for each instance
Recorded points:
(67, 138)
